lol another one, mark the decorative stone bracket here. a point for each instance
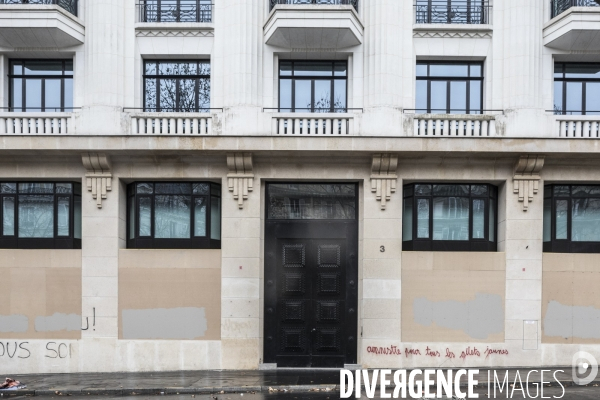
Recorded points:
(527, 178)
(383, 177)
(98, 175)
(240, 178)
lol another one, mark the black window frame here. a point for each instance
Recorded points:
(312, 78)
(194, 242)
(22, 108)
(429, 244)
(566, 245)
(449, 80)
(584, 81)
(178, 78)
(56, 242)
(268, 205)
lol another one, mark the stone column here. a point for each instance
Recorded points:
(237, 63)
(108, 70)
(388, 63)
(241, 249)
(381, 245)
(523, 246)
(519, 63)
(100, 264)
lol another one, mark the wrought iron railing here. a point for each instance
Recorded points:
(175, 11)
(69, 5)
(452, 12)
(560, 6)
(353, 3)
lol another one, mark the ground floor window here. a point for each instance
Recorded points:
(449, 217)
(40, 215)
(166, 215)
(572, 218)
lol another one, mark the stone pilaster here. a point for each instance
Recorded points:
(108, 65)
(524, 251)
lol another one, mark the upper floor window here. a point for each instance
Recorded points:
(176, 86)
(43, 215)
(560, 6)
(69, 5)
(577, 88)
(175, 10)
(449, 217)
(353, 3)
(449, 87)
(572, 218)
(41, 85)
(313, 86)
(452, 11)
(183, 215)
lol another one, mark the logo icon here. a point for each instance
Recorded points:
(585, 368)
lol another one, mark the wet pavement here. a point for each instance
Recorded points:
(570, 393)
(253, 385)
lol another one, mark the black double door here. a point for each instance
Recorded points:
(311, 293)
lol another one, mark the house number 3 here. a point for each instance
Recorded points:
(382, 249)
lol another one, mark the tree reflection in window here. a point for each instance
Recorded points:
(171, 86)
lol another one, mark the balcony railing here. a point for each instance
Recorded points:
(353, 3)
(175, 11)
(452, 12)
(69, 5)
(174, 122)
(560, 6)
(454, 125)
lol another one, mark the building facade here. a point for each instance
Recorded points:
(259, 183)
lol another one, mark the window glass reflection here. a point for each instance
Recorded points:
(312, 201)
(449, 88)
(586, 220)
(450, 218)
(313, 86)
(172, 217)
(36, 216)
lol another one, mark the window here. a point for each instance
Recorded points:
(175, 11)
(452, 11)
(304, 201)
(449, 88)
(313, 86)
(43, 215)
(176, 86)
(184, 215)
(577, 89)
(41, 85)
(572, 218)
(449, 217)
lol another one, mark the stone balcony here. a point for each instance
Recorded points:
(39, 24)
(313, 26)
(506, 124)
(576, 28)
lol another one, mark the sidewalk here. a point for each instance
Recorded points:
(215, 382)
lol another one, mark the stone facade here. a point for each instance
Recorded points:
(243, 144)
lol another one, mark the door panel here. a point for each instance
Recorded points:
(310, 293)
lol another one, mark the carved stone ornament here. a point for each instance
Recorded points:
(98, 175)
(240, 178)
(383, 177)
(527, 178)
